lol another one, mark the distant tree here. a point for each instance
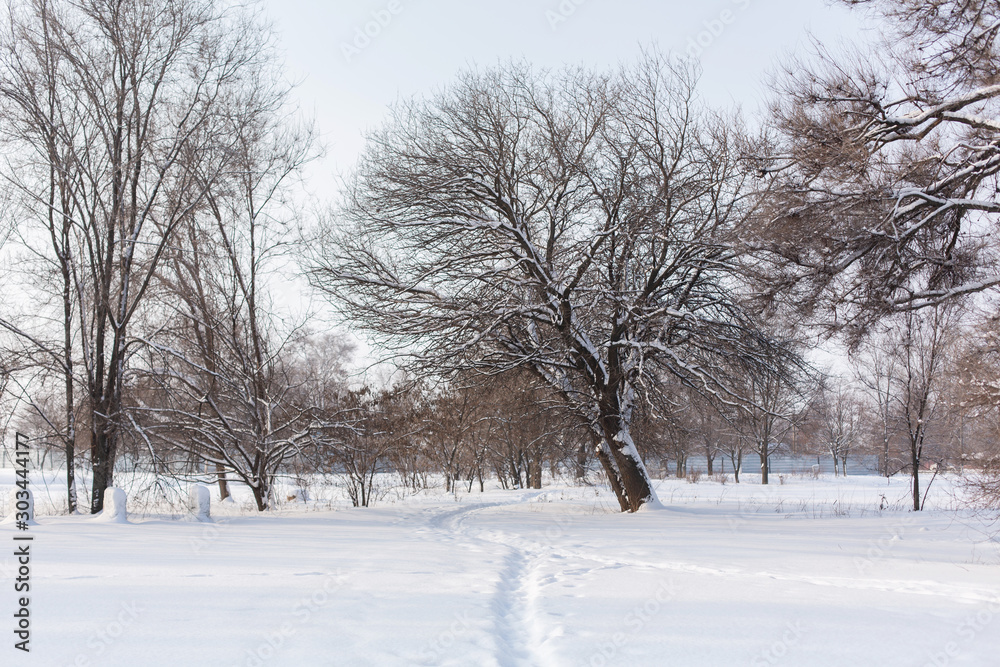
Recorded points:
(839, 414)
(977, 395)
(524, 427)
(768, 416)
(735, 445)
(373, 427)
(455, 423)
(875, 367)
(921, 343)
(710, 428)
(581, 226)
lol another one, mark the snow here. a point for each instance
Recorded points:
(200, 503)
(11, 517)
(115, 506)
(808, 572)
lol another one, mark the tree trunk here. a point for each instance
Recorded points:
(763, 462)
(102, 456)
(223, 483)
(885, 454)
(581, 461)
(634, 487)
(71, 501)
(535, 468)
(915, 462)
(611, 470)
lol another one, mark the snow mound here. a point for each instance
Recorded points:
(114, 506)
(651, 505)
(200, 503)
(17, 496)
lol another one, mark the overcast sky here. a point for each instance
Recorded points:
(353, 58)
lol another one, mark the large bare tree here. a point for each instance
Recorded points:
(580, 225)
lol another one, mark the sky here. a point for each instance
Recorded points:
(352, 59)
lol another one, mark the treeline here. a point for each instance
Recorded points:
(575, 270)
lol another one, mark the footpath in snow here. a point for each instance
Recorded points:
(806, 573)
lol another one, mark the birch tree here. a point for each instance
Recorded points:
(579, 225)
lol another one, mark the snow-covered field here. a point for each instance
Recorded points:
(809, 572)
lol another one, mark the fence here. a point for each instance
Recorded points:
(787, 465)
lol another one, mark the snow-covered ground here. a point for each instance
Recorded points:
(809, 572)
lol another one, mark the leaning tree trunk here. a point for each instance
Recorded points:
(610, 470)
(634, 487)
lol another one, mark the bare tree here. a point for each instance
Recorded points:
(373, 427)
(34, 121)
(767, 417)
(875, 368)
(921, 345)
(224, 368)
(710, 428)
(582, 226)
(840, 420)
(116, 106)
(456, 415)
(884, 164)
(735, 445)
(523, 425)
(977, 395)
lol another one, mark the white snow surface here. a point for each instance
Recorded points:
(809, 572)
